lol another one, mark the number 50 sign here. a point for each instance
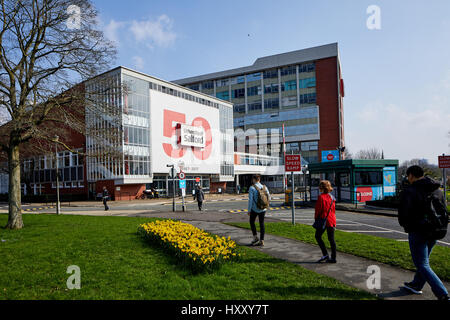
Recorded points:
(170, 122)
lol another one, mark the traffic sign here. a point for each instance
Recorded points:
(182, 184)
(444, 162)
(293, 163)
(181, 175)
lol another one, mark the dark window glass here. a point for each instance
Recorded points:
(363, 178)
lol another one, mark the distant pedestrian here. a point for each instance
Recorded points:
(258, 202)
(105, 198)
(238, 189)
(325, 220)
(200, 196)
(423, 215)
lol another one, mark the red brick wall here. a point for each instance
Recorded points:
(213, 188)
(129, 191)
(327, 100)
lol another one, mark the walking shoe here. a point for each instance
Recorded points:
(412, 288)
(331, 261)
(444, 298)
(255, 241)
(259, 244)
(324, 258)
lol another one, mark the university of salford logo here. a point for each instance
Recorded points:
(171, 120)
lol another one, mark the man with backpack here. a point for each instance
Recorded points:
(423, 215)
(258, 202)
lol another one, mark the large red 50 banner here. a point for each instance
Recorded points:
(170, 122)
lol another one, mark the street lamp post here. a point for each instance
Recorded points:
(172, 171)
(58, 207)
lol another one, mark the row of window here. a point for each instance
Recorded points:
(136, 136)
(137, 165)
(266, 74)
(274, 103)
(65, 159)
(49, 175)
(308, 98)
(184, 95)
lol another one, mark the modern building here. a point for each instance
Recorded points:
(302, 89)
(137, 125)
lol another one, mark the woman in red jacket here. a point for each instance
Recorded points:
(325, 206)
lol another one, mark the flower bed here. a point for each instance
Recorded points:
(195, 248)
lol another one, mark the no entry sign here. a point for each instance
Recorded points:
(293, 163)
(444, 162)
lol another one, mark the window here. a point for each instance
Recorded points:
(255, 106)
(253, 77)
(290, 85)
(239, 108)
(288, 71)
(310, 146)
(208, 85)
(253, 91)
(363, 178)
(307, 67)
(307, 83)
(237, 80)
(224, 95)
(195, 87)
(271, 103)
(308, 98)
(222, 83)
(238, 93)
(272, 73)
(271, 88)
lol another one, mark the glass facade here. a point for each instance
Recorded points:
(291, 87)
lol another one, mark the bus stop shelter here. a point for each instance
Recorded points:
(355, 181)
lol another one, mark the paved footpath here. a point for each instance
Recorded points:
(350, 269)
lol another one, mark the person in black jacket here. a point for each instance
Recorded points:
(200, 196)
(105, 198)
(411, 212)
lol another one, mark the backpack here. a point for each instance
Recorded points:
(262, 202)
(435, 220)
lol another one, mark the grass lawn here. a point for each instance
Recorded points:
(375, 248)
(117, 264)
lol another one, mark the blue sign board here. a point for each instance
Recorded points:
(182, 184)
(330, 155)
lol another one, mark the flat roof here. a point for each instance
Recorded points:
(358, 163)
(268, 62)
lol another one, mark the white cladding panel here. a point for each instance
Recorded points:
(166, 111)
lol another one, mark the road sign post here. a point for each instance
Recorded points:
(182, 185)
(292, 163)
(444, 163)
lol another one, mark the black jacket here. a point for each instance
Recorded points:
(199, 195)
(413, 207)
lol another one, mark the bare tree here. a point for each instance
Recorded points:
(371, 154)
(46, 48)
(347, 154)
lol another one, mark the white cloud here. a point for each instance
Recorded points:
(138, 62)
(111, 31)
(402, 131)
(157, 32)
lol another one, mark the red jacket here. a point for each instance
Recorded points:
(322, 208)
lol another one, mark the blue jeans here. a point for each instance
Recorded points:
(420, 253)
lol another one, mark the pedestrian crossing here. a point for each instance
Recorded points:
(270, 209)
(38, 208)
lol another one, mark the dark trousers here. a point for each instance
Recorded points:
(105, 203)
(330, 234)
(262, 228)
(200, 205)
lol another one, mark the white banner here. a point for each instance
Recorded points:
(168, 115)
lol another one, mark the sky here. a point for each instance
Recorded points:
(397, 75)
